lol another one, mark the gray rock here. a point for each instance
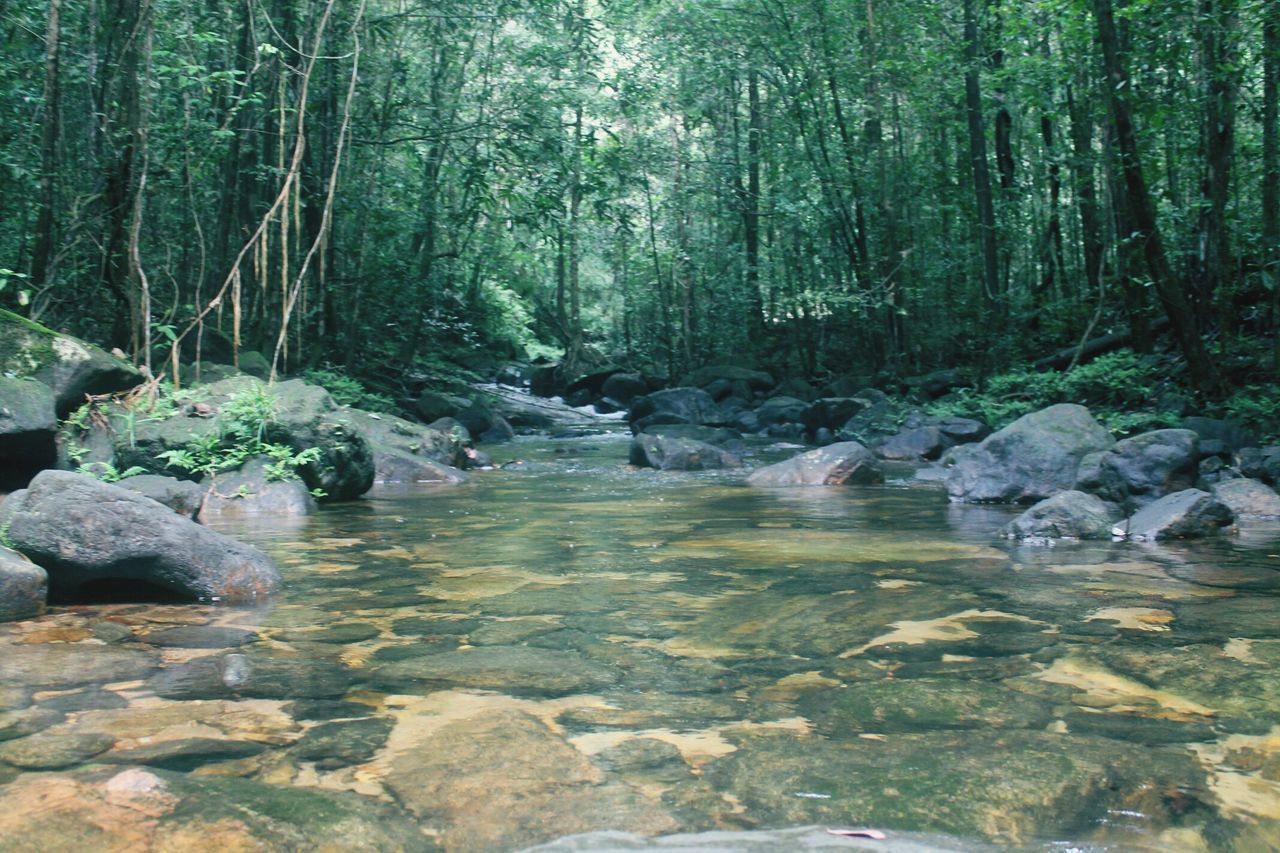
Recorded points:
(24, 586)
(1140, 469)
(388, 432)
(847, 463)
(1031, 459)
(242, 675)
(927, 442)
(1070, 515)
(1232, 434)
(184, 754)
(511, 669)
(831, 412)
(182, 496)
(624, 387)
(69, 366)
(679, 454)
(757, 380)
(90, 535)
(795, 388)
(723, 437)
(396, 466)
(781, 409)
(199, 637)
(674, 406)
(305, 417)
(963, 430)
(249, 492)
(28, 424)
(50, 750)
(339, 744)
(1260, 463)
(65, 665)
(1188, 514)
(1245, 497)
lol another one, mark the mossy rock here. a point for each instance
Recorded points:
(69, 366)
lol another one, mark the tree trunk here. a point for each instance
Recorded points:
(1202, 372)
(1218, 23)
(751, 207)
(1271, 164)
(978, 160)
(42, 254)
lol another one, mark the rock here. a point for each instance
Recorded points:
(756, 380)
(28, 426)
(650, 759)
(1260, 463)
(388, 432)
(184, 754)
(253, 676)
(1066, 515)
(306, 416)
(795, 388)
(434, 405)
(781, 410)
(53, 750)
(674, 406)
(249, 492)
(339, 744)
(1188, 514)
(94, 538)
(722, 437)
(1245, 497)
(831, 412)
(593, 383)
(396, 466)
(479, 418)
(669, 453)
(963, 430)
(524, 412)
(1031, 459)
(65, 665)
(182, 496)
(254, 363)
(27, 721)
(926, 442)
(24, 586)
(624, 387)
(1140, 469)
(514, 375)
(1232, 434)
(939, 382)
(500, 774)
(70, 367)
(723, 390)
(199, 637)
(510, 669)
(921, 704)
(844, 464)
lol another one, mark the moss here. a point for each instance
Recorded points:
(25, 346)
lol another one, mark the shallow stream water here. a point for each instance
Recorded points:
(575, 646)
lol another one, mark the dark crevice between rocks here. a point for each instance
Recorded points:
(115, 591)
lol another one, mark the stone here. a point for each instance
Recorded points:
(253, 676)
(396, 466)
(27, 721)
(1187, 514)
(927, 442)
(511, 669)
(795, 388)
(390, 433)
(624, 387)
(1232, 434)
(846, 463)
(1067, 515)
(831, 412)
(650, 759)
(96, 538)
(922, 704)
(722, 437)
(339, 744)
(182, 496)
(184, 754)
(1035, 457)
(1245, 497)
(781, 410)
(1260, 463)
(66, 665)
(674, 406)
(199, 637)
(757, 380)
(305, 417)
(250, 492)
(24, 587)
(434, 405)
(28, 426)
(70, 367)
(667, 453)
(1138, 470)
(963, 430)
(53, 750)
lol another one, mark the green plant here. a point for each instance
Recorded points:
(1257, 407)
(108, 473)
(5, 539)
(285, 463)
(348, 391)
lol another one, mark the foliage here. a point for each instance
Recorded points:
(1257, 407)
(108, 473)
(348, 391)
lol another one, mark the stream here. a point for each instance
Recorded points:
(572, 645)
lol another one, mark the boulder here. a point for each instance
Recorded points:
(674, 406)
(1260, 463)
(757, 380)
(1188, 514)
(670, 453)
(396, 466)
(69, 366)
(925, 442)
(250, 491)
(781, 410)
(23, 587)
(433, 405)
(182, 496)
(1232, 434)
(254, 363)
(593, 383)
(546, 380)
(388, 432)
(1248, 497)
(831, 412)
(1031, 459)
(28, 426)
(94, 538)
(963, 430)
(1140, 469)
(1067, 515)
(306, 416)
(847, 463)
(722, 437)
(624, 387)
(797, 389)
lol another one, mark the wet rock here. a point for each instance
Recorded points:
(845, 463)
(95, 538)
(1071, 515)
(305, 417)
(648, 758)
(241, 675)
(396, 466)
(781, 411)
(1033, 458)
(651, 711)
(1231, 434)
(914, 705)
(503, 774)
(325, 709)
(387, 432)
(679, 454)
(674, 406)
(704, 800)
(1245, 497)
(963, 430)
(341, 632)
(721, 437)
(89, 699)
(28, 425)
(624, 387)
(27, 721)
(416, 626)
(1131, 728)
(14, 697)
(339, 744)
(1260, 463)
(24, 586)
(52, 750)
(510, 632)
(795, 388)
(69, 366)
(200, 637)
(925, 442)
(182, 496)
(831, 412)
(511, 669)
(1010, 787)
(61, 666)
(184, 754)
(757, 380)
(1187, 514)
(1138, 470)
(250, 491)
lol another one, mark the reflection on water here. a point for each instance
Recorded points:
(581, 646)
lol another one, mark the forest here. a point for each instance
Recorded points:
(380, 188)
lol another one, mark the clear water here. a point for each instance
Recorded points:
(580, 646)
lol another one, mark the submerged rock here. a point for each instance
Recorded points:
(52, 750)
(24, 586)
(1067, 515)
(670, 453)
(1033, 458)
(244, 675)
(915, 705)
(65, 665)
(512, 669)
(843, 464)
(1187, 514)
(94, 538)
